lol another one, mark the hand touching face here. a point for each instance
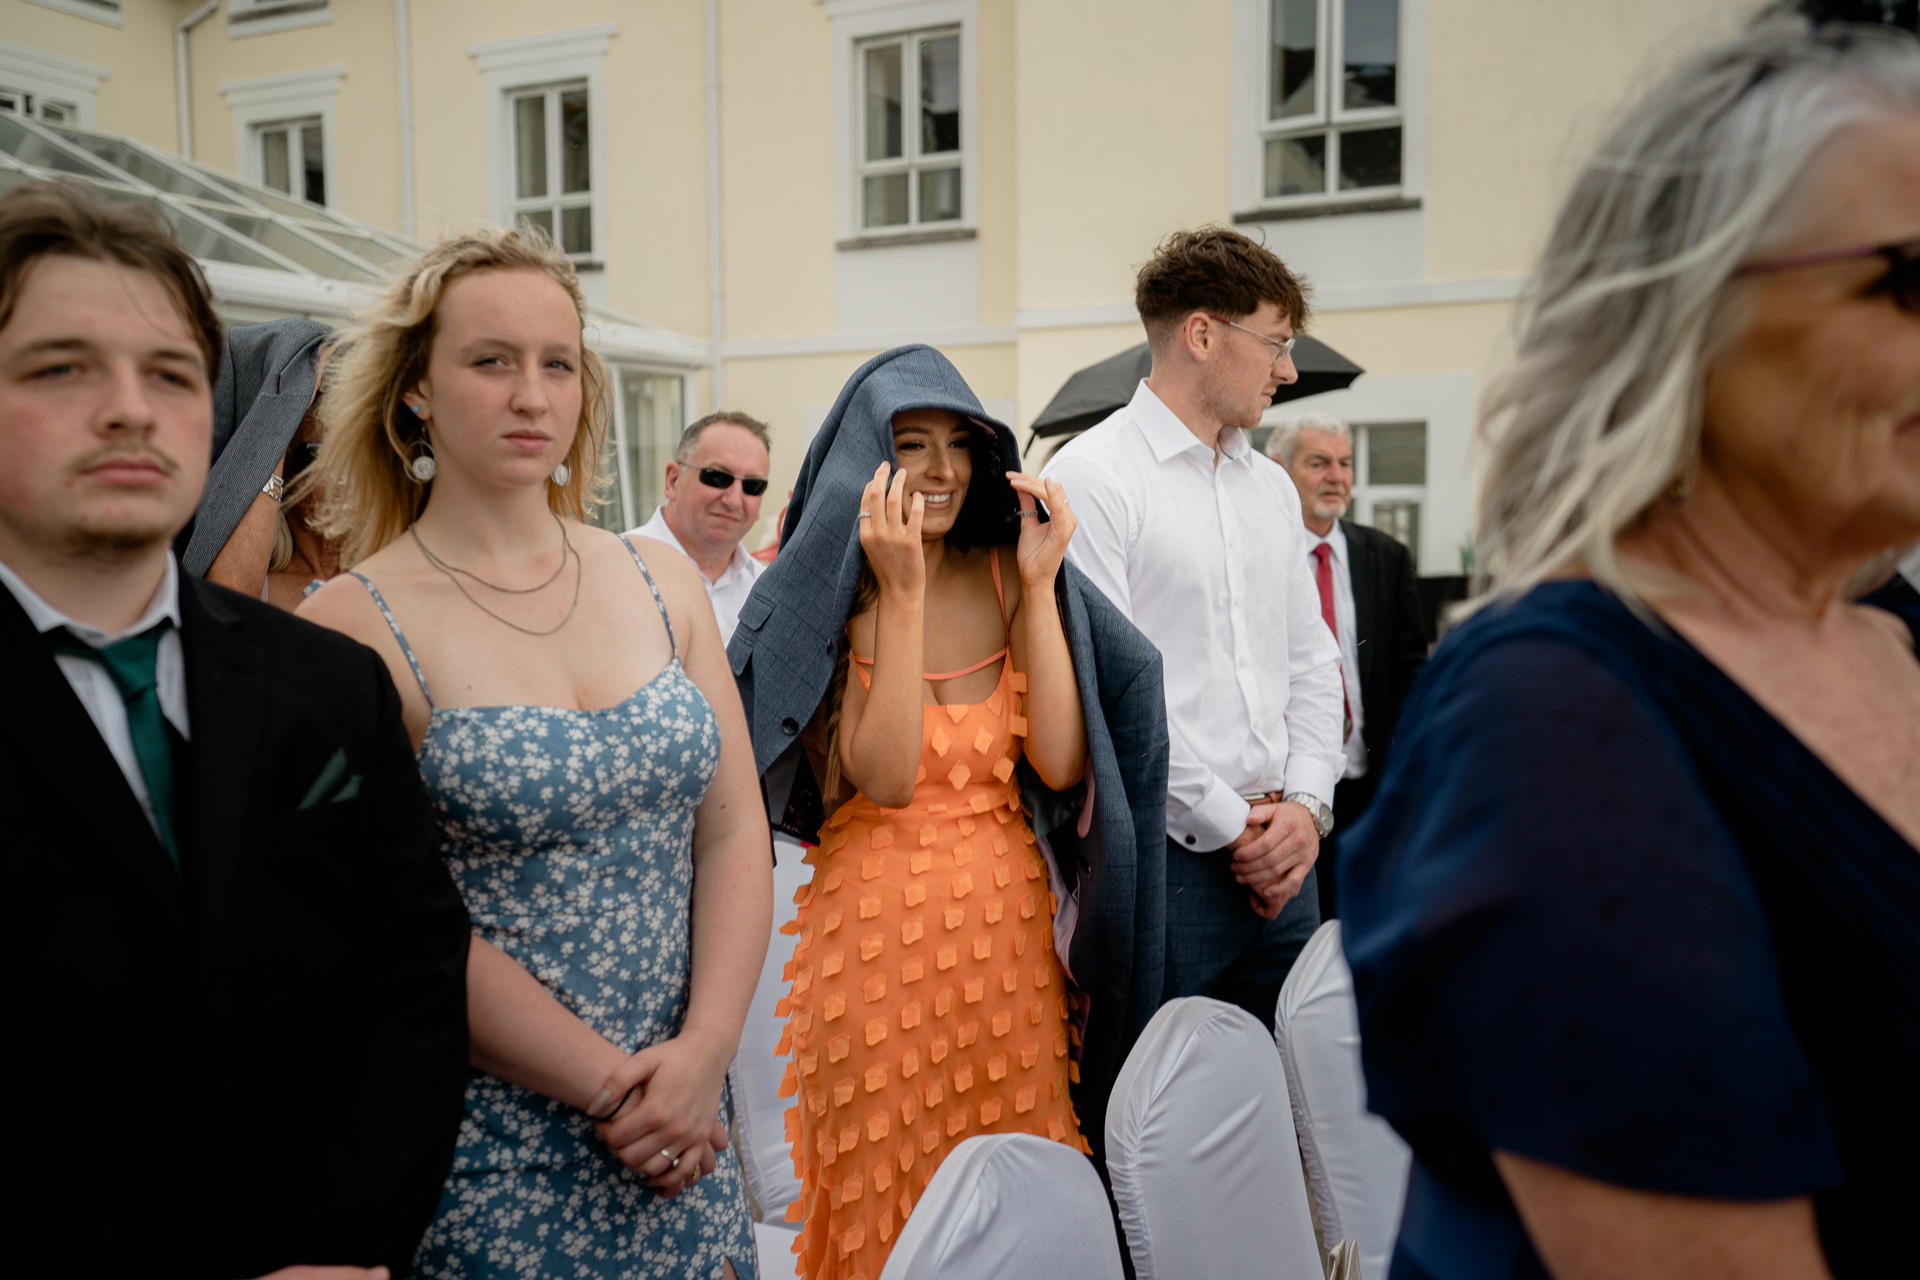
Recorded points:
(935, 453)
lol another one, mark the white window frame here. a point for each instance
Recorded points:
(263, 17)
(49, 76)
(911, 161)
(295, 129)
(1366, 494)
(106, 11)
(270, 100)
(627, 487)
(856, 25)
(1252, 128)
(549, 60)
(556, 200)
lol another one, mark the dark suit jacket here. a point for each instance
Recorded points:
(259, 1062)
(784, 650)
(1899, 598)
(1390, 646)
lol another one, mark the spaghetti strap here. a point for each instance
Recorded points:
(399, 635)
(993, 558)
(665, 621)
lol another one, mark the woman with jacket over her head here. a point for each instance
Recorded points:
(929, 1003)
(570, 702)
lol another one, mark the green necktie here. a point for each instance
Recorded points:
(132, 664)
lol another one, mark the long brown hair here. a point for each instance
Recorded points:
(363, 467)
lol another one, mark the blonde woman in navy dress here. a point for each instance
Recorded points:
(578, 728)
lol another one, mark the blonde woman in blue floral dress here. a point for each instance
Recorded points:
(578, 728)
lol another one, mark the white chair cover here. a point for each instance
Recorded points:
(773, 1243)
(1201, 1150)
(1355, 1163)
(1009, 1206)
(759, 1112)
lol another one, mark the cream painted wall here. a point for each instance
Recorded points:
(137, 97)
(1518, 93)
(1124, 114)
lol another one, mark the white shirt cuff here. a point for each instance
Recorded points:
(1315, 777)
(1214, 823)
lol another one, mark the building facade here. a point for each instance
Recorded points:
(761, 194)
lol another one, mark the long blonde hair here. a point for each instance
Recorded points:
(371, 494)
(1600, 415)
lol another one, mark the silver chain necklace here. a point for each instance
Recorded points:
(566, 549)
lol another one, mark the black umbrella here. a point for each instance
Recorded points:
(1099, 389)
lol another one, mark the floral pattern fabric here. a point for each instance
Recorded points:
(570, 834)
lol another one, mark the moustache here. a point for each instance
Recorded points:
(112, 453)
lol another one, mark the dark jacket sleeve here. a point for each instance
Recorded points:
(390, 1158)
(1409, 640)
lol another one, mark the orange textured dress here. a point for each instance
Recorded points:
(928, 1004)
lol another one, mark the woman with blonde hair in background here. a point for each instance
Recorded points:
(580, 734)
(1635, 919)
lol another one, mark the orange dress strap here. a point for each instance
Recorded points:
(993, 558)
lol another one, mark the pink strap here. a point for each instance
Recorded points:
(993, 559)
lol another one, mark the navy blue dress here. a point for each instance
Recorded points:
(1607, 912)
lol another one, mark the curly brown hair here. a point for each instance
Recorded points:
(1217, 270)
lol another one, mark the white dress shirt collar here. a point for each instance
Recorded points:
(1167, 436)
(165, 604)
(729, 591)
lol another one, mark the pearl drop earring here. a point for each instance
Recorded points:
(423, 466)
(562, 474)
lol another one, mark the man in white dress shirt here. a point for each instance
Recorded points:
(1365, 582)
(1199, 539)
(714, 486)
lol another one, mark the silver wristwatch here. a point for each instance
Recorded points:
(1322, 816)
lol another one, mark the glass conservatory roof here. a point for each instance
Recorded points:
(291, 256)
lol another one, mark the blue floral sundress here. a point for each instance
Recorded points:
(570, 834)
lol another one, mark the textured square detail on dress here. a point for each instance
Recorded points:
(834, 917)
(870, 868)
(982, 742)
(906, 1162)
(1034, 869)
(934, 1093)
(993, 911)
(966, 1034)
(957, 1122)
(1017, 726)
(833, 964)
(940, 742)
(869, 908)
(1017, 681)
(809, 1062)
(910, 1016)
(883, 1177)
(1055, 1129)
(919, 862)
(875, 1078)
(911, 931)
(1019, 944)
(843, 1092)
(929, 1139)
(880, 837)
(960, 776)
(997, 1067)
(876, 1031)
(946, 957)
(840, 1046)
(1029, 1054)
(1003, 768)
(995, 702)
(872, 945)
(1023, 1102)
(962, 854)
(803, 981)
(912, 970)
(937, 1050)
(982, 947)
(1042, 975)
(875, 988)
(836, 1004)
(942, 1003)
(963, 884)
(975, 989)
(1034, 1012)
(909, 1108)
(989, 1110)
(910, 1063)
(929, 832)
(966, 825)
(914, 895)
(849, 1139)
(853, 1188)
(962, 1078)
(1003, 877)
(1010, 980)
(1000, 844)
(954, 917)
(1003, 1022)
(957, 711)
(856, 1234)
(1026, 907)
(878, 1127)
(1059, 1044)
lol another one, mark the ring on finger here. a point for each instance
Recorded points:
(864, 515)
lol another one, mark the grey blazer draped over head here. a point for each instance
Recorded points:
(265, 388)
(1112, 850)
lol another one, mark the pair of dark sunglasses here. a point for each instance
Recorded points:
(1901, 283)
(715, 478)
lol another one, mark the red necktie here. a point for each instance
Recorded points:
(1323, 579)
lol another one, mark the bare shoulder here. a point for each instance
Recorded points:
(345, 605)
(671, 571)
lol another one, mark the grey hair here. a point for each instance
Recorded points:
(690, 438)
(1285, 440)
(1600, 414)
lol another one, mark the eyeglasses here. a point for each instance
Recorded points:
(1282, 347)
(715, 478)
(1901, 283)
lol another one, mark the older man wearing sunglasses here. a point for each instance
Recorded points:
(714, 486)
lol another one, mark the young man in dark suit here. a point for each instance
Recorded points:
(236, 966)
(1368, 597)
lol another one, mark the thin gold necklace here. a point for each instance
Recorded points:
(446, 568)
(566, 549)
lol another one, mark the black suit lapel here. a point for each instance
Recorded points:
(72, 771)
(226, 698)
(1364, 568)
